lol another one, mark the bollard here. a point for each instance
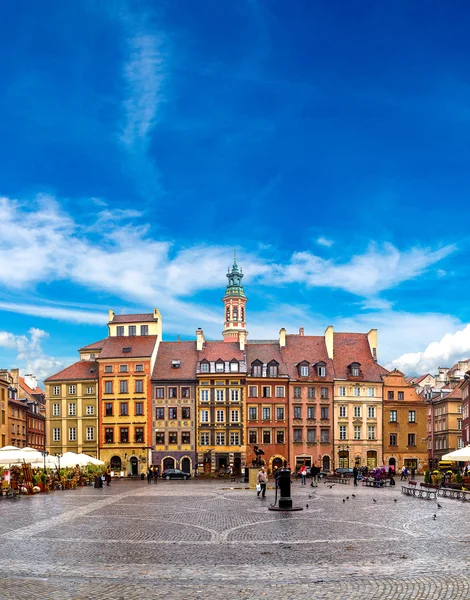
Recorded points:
(283, 486)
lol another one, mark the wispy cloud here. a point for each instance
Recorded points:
(323, 241)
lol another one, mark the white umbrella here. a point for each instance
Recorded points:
(11, 455)
(92, 461)
(8, 448)
(462, 454)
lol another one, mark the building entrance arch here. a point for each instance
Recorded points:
(168, 463)
(134, 465)
(186, 465)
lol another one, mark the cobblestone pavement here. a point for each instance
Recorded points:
(196, 539)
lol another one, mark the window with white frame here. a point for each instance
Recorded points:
(204, 395)
(204, 416)
(108, 368)
(234, 416)
(204, 438)
(342, 390)
(56, 390)
(90, 390)
(321, 371)
(459, 409)
(342, 432)
(357, 432)
(205, 367)
(459, 424)
(393, 416)
(72, 434)
(459, 443)
(56, 434)
(357, 412)
(371, 412)
(139, 368)
(304, 371)
(371, 432)
(220, 438)
(90, 409)
(310, 412)
(355, 371)
(56, 410)
(371, 392)
(252, 413)
(411, 416)
(357, 391)
(342, 411)
(234, 438)
(280, 391)
(273, 370)
(234, 367)
(72, 409)
(235, 395)
(123, 368)
(280, 413)
(72, 389)
(311, 436)
(266, 413)
(220, 416)
(90, 434)
(219, 367)
(266, 391)
(219, 395)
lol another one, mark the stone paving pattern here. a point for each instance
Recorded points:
(197, 539)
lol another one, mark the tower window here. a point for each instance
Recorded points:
(227, 318)
(235, 313)
(242, 313)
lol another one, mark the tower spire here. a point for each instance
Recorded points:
(235, 303)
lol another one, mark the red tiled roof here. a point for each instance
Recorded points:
(265, 353)
(83, 369)
(185, 352)
(420, 378)
(354, 347)
(94, 346)
(133, 318)
(224, 350)
(456, 393)
(384, 371)
(306, 347)
(29, 390)
(141, 346)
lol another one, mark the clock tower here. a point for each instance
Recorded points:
(235, 306)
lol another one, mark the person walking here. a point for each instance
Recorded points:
(149, 475)
(156, 473)
(303, 474)
(107, 476)
(261, 481)
(355, 474)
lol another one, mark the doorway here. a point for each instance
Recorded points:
(326, 464)
(168, 463)
(237, 465)
(222, 462)
(371, 459)
(134, 465)
(392, 463)
(186, 465)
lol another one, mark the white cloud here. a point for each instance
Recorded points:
(444, 353)
(57, 312)
(323, 241)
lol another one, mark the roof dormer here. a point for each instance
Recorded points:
(320, 368)
(273, 368)
(303, 368)
(354, 369)
(257, 368)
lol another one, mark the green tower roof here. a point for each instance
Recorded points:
(235, 276)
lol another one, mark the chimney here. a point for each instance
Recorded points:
(110, 315)
(178, 339)
(329, 341)
(301, 331)
(31, 381)
(282, 338)
(156, 314)
(372, 339)
(199, 339)
(15, 374)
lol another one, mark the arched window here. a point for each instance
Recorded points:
(242, 313)
(235, 313)
(228, 314)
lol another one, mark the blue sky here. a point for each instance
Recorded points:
(326, 141)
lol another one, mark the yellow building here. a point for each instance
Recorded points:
(72, 409)
(446, 410)
(357, 406)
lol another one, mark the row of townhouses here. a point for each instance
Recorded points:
(134, 400)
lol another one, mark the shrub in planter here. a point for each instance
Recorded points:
(427, 476)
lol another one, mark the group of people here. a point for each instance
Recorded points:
(100, 477)
(153, 473)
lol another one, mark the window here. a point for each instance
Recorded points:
(280, 436)
(204, 395)
(342, 432)
(266, 413)
(172, 413)
(90, 390)
(324, 393)
(120, 330)
(234, 367)
(219, 395)
(459, 424)
(160, 413)
(256, 370)
(253, 391)
(342, 390)
(139, 386)
(342, 411)
(56, 390)
(204, 438)
(280, 413)
(304, 371)
(124, 435)
(144, 330)
(357, 391)
(185, 392)
(123, 369)
(401, 395)
(108, 387)
(266, 391)
(139, 435)
(311, 393)
(172, 392)
(185, 412)
(72, 434)
(234, 395)
(159, 438)
(123, 387)
(159, 392)
(311, 436)
(108, 407)
(357, 432)
(393, 416)
(459, 409)
(297, 412)
(273, 370)
(90, 409)
(56, 434)
(391, 395)
(220, 438)
(371, 432)
(357, 412)
(371, 392)
(324, 412)
(393, 439)
(280, 391)
(355, 371)
(411, 416)
(172, 437)
(139, 409)
(90, 434)
(234, 416)
(266, 437)
(124, 409)
(321, 370)
(108, 368)
(235, 313)
(72, 409)
(204, 414)
(219, 367)
(132, 330)
(72, 389)
(252, 413)
(371, 412)
(296, 392)
(412, 439)
(310, 412)
(297, 435)
(56, 410)
(139, 368)
(459, 443)
(205, 367)
(253, 436)
(185, 437)
(220, 416)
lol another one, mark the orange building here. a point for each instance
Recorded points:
(17, 421)
(404, 424)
